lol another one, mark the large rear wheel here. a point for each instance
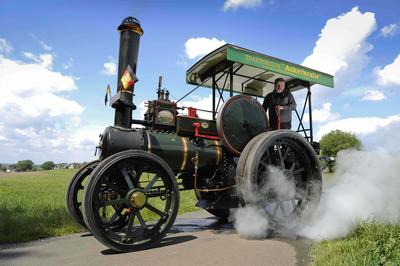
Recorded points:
(279, 172)
(136, 187)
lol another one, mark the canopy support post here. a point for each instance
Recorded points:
(231, 81)
(310, 112)
(213, 97)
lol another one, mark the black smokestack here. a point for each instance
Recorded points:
(130, 31)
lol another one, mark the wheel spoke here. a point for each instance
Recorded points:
(280, 156)
(153, 209)
(104, 214)
(152, 182)
(115, 215)
(269, 157)
(127, 178)
(275, 209)
(130, 223)
(283, 209)
(293, 166)
(293, 204)
(299, 171)
(141, 220)
(286, 152)
(157, 194)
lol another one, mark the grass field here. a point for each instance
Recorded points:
(370, 244)
(32, 205)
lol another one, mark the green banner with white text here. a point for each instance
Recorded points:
(279, 66)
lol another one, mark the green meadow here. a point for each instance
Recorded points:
(369, 244)
(32, 205)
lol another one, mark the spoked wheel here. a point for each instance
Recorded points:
(279, 172)
(133, 184)
(75, 192)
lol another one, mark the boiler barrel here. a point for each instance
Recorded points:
(179, 151)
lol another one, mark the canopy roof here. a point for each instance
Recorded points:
(253, 73)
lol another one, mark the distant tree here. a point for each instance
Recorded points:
(48, 165)
(12, 166)
(24, 165)
(2, 168)
(337, 140)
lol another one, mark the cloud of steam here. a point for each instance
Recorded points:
(367, 188)
(252, 221)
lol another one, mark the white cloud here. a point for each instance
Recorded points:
(204, 103)
(197, 47)
(109, 68)
(390, 74)
(37, 119)
(5, 46)
(373, 95)
(42, 43)
(69, 64)
(45, 46)
(324, 114)
(358, 125)
(46, 60)
(390, 30)
(182, 62)
(342, 47)
(234, 4)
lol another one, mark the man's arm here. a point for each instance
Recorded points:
(266, 102)
(291, 103)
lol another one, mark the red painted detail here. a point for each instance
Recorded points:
(197, 134)
(192, 112)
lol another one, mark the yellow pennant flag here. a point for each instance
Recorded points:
(108, 93)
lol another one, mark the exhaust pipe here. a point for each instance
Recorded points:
(130, 33)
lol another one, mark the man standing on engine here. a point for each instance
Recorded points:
(280, 103)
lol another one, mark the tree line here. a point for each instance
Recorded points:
(28, 165)
(330, 143)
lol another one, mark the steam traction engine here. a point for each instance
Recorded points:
(226, 160)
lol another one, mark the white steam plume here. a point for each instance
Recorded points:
(252, 221)
(367, 188)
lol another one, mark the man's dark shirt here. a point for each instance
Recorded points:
(285, 99)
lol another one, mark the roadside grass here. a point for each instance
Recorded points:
(369, 244)
(32, 205)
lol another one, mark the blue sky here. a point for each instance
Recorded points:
(57, 57)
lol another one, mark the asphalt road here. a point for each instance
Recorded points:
(197, 238)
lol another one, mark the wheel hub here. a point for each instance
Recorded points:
(137, 199)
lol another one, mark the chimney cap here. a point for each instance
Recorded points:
(131, 23)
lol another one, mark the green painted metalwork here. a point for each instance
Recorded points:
(276, 65)
(178, 151)
(251, 72)
(241, 119)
